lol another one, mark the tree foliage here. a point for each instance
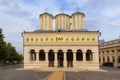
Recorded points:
(7, 51)
(2, 47)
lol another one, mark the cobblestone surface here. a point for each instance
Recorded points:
(13, 73)
(109, 74)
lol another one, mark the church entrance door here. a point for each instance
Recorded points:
(69, 58)
(51, 58)
(60, 58)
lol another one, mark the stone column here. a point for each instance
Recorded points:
(27, 57)
(106, 58)
(101, 60)
(65, 59)
(93, 57)
(46, 59)
(116, 60)
(37, 56)
(33, 56)
(55, 61)
(46, 56)
(110, 57)
(84, 56)
(74, 57)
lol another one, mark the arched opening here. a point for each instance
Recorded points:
(118, 59)
(108, 60)
(32, 55)
(69, 58)
(113, 59)
(41, 55)
(99, 59)
(89, 56)
(103, 59)
(79, 55)
(60, 58)
(51, 57)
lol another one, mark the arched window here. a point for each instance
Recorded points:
(69, 58)
(51, 58)
(108, 59)
(118, 59)
(41, 55)
(51, 55)
(89, 56)
(60, 55)
(79, 55)
(60, 58)
(32, 55)
(99, 59)
(69, 55)
(103, 59)
(113, 59)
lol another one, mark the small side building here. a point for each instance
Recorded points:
(109, 52)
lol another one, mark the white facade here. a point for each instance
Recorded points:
(58, 50)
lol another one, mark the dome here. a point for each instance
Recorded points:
(77, 20)
(46, 13)
(46, 21)
(78, 13)
(62, 21)
(62, 14)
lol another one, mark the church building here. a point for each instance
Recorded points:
(67, 47)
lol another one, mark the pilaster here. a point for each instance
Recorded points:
(116, 60)
(84, 56)
(27, 59)
(74, 57)
(101, 60)
(37, 56)
(65, 59)
(46, 56)
(55, 61)
(94, 57)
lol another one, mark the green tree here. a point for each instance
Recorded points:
(7, 51)
(19, 57)
(12, 53)
(3, 54)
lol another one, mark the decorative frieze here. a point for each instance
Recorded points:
(61, 38)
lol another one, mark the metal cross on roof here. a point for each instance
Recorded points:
(46, 9)
(62, 9)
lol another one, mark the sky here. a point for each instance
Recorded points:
(17, 16)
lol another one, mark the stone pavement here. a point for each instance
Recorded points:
(58, 75)
(110, 74)
(16, 72)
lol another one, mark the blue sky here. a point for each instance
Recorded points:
(17, 16)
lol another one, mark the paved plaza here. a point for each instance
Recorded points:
(16, 72)
(109, 73)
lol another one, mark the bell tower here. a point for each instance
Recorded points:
(46, 21)
(78, 20)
